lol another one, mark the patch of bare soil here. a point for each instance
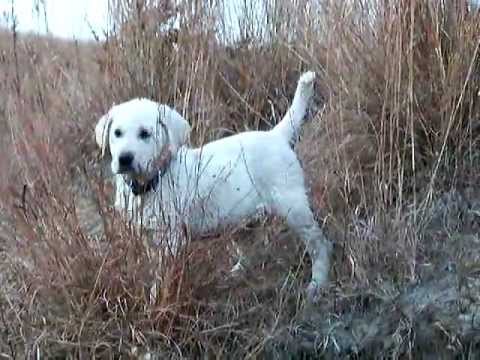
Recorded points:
(437, 316)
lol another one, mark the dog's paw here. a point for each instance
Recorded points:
(314, 290)
(237, 269)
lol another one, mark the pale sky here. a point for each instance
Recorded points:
(76, 18)
(65, 18)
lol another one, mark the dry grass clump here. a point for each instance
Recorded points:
(85, 295)
(400, 122)
(406, 73)
(390, 155)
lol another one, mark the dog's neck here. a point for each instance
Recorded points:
(159, 167)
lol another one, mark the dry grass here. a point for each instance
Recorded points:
(391, 162)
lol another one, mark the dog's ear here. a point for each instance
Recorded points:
(102, 129)
(178, 128)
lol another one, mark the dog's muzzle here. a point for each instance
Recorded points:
(125, 163)
(158, 169)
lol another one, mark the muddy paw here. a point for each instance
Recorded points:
(314, 290)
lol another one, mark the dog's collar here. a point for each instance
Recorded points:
(160, 167)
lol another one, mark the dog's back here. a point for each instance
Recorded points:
(231, 178)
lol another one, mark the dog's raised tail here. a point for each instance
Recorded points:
(289, 127)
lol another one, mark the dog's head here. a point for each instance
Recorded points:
(136, 133)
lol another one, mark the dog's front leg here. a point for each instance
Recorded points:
(168, 241)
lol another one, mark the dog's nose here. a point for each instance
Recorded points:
(125, 160)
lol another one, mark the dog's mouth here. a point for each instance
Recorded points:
(134, 171)
(134, 176)
(131, 171)
(126, 169)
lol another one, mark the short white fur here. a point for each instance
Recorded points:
(221, 183)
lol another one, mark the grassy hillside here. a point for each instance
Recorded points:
(391, 153)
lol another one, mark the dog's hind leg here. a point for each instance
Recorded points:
(294, 207)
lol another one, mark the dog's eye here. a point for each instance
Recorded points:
(144, 134)
(117, 133)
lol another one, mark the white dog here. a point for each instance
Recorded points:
(221, 183)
